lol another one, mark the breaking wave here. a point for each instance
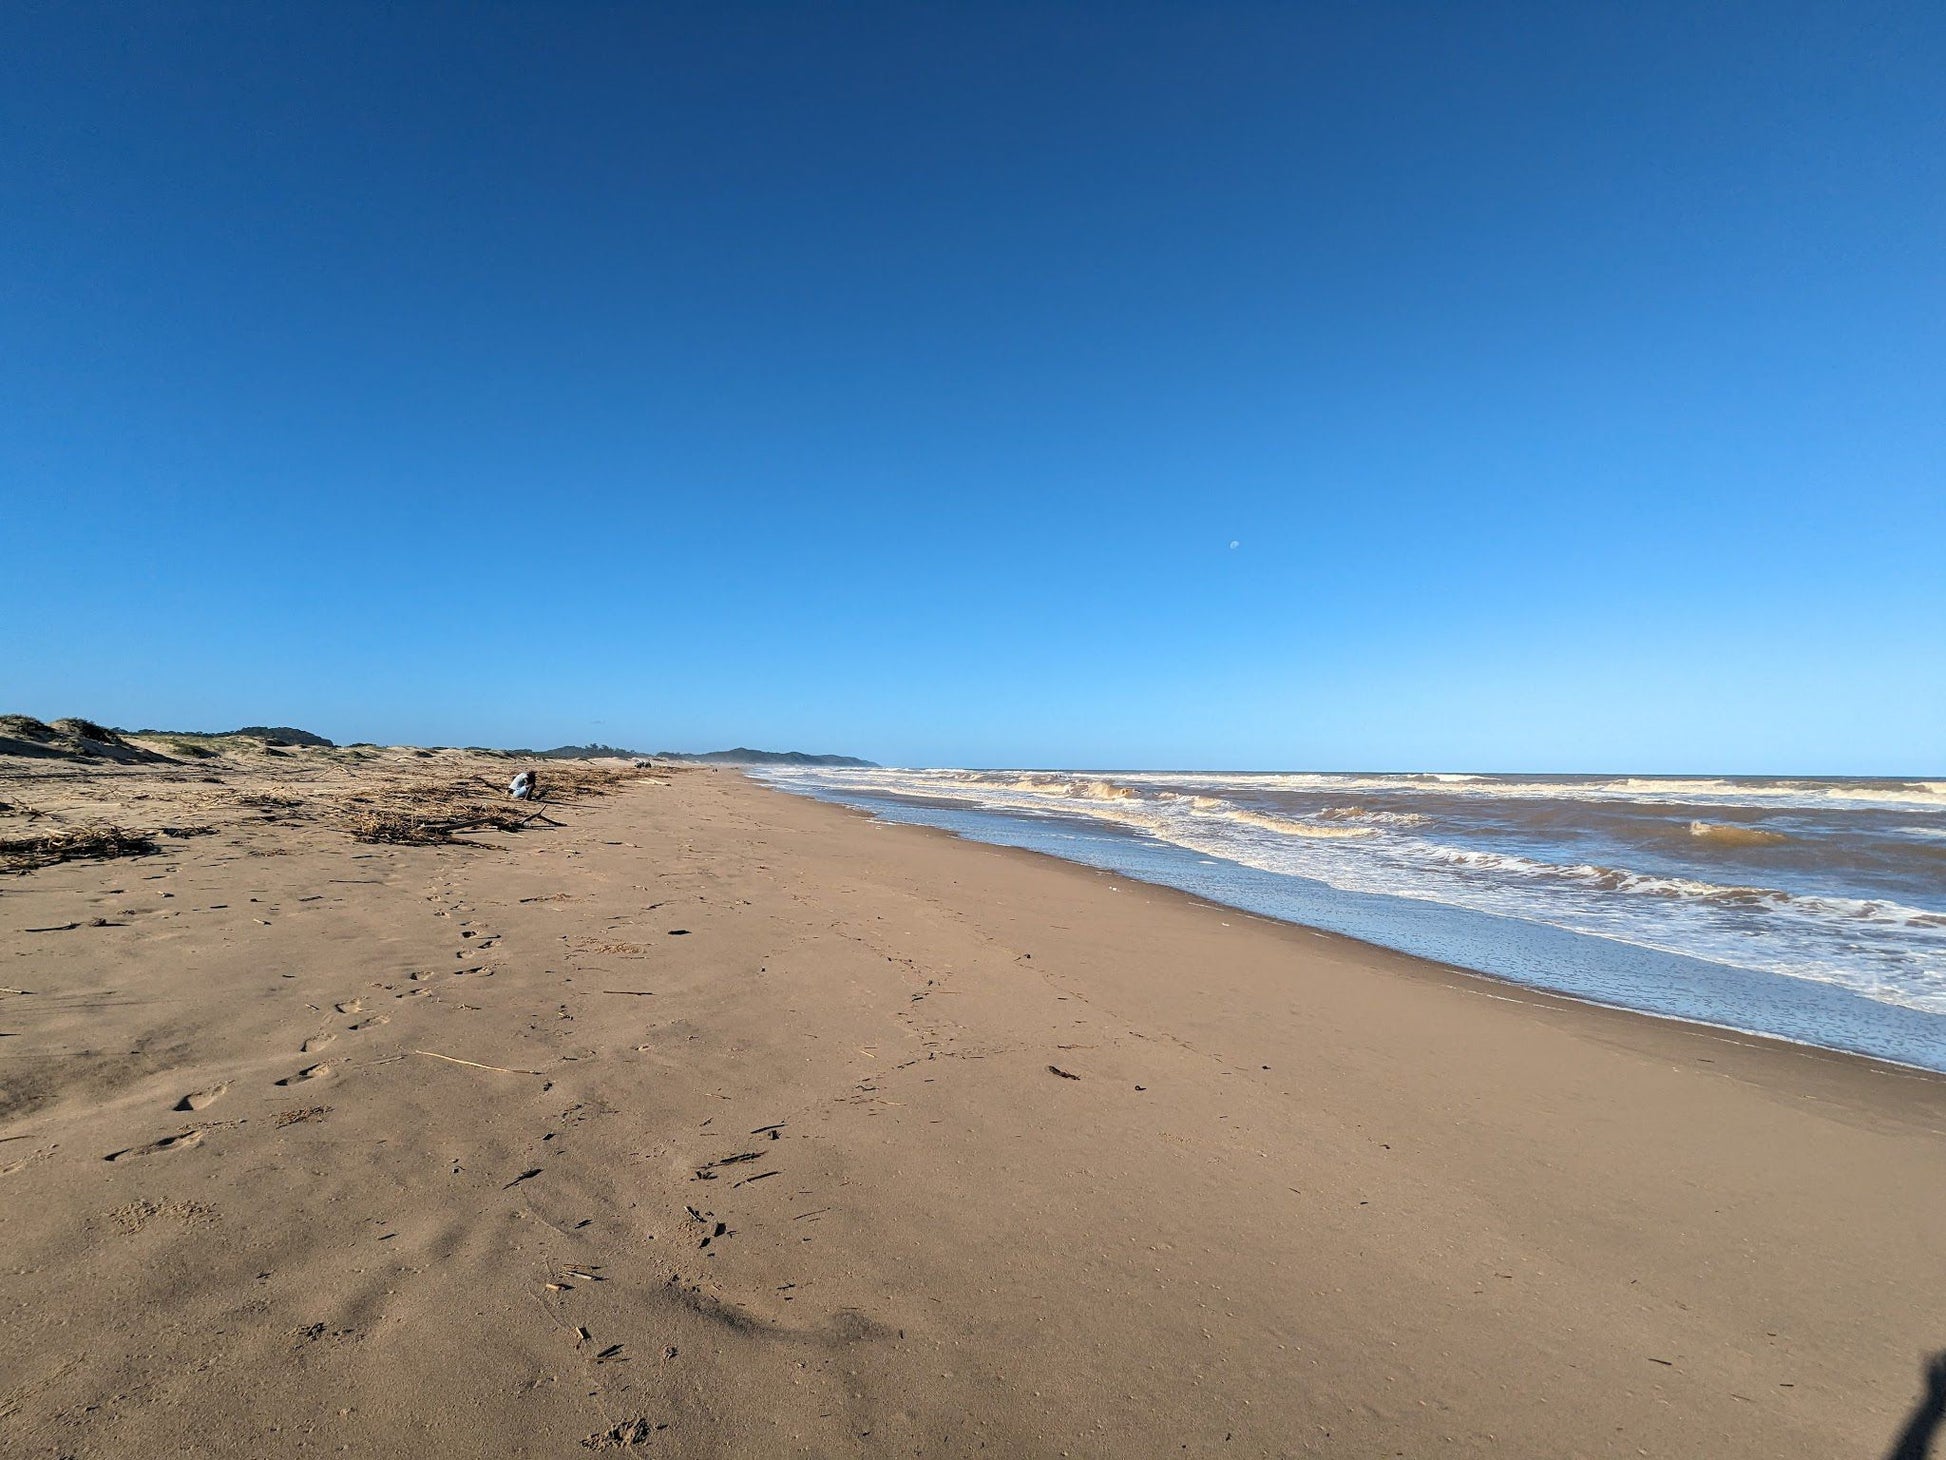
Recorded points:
(1367, 814)
(1285, 826)
(1739, 836)
(1645, 884)
(1751, 791)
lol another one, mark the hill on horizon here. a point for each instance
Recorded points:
(84, 740)
(741, 755)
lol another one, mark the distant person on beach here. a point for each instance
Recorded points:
(524, 787)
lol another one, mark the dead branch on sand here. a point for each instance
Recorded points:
(474, 1064)
(431, 813)
(411, 828)
(72, 844)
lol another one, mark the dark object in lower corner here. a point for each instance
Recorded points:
(1915, 1440)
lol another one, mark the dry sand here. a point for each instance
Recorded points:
(715, 1122)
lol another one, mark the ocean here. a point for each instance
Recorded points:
(1809, 910)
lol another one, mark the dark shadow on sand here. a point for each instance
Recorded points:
(1915, 1440)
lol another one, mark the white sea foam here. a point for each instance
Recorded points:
(1800, 792)
(1285, 826)
(1366, 815)
(1381, 834)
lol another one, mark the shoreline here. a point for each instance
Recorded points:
(730, 1122)
(1508, 981)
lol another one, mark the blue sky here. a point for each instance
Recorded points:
(1570, 380)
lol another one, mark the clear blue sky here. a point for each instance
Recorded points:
(1570, 379)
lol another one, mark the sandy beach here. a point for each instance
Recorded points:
(698, 1119)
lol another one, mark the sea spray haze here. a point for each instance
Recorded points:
(1810, 909)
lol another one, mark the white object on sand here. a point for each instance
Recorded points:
(522, 786)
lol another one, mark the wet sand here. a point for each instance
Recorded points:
(718, 1122)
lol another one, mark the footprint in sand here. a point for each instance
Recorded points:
(45, 1153)
(315, 1043)
(168, 1143)
(368, 1023)
(313, 1072)
(351, 1006)
(197, 1099)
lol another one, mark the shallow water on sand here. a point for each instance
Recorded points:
(1812, 910)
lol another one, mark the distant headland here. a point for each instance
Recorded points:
(742, 755)
(84, 740)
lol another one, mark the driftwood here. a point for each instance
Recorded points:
(433, 813)
(420, 829)
(72, 844)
